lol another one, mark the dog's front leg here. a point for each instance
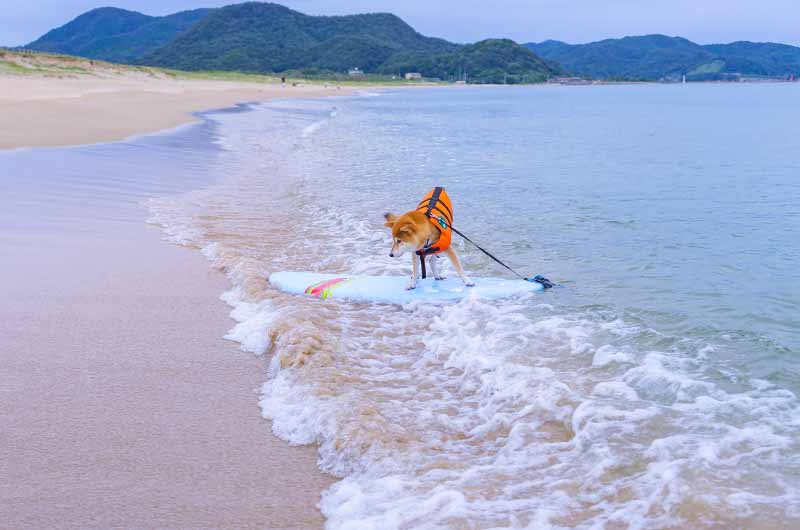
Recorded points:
(412, 283)
(437, 275)
(457, 265)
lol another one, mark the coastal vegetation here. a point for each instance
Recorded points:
(26, 62)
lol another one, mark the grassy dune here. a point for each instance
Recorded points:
(22, 62)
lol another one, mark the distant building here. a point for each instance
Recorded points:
(355, 72)
(568, 81)
(411, 76)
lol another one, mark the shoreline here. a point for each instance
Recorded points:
(125, 409)
(39, 111)
(124, 406)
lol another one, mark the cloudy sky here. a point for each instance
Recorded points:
(704, 21)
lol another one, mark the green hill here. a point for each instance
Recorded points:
(117, 35)
(646, 57)
(78, 36)
(261, 37)
(653, 57)
(258, 37)
(758, 58)
(265, 37)
(488, 61)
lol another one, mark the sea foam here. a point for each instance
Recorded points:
(524, 413)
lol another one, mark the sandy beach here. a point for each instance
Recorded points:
(121, 405)
(47, 108)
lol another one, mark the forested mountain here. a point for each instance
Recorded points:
(261, 37)
(265, 37)
(256, 37)
(759, 58)
(491, 61)
(653, 57)
(270, 38)
(116, 35)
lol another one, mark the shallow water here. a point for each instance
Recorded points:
(658, 389)
(49, 191)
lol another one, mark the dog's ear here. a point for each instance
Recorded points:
(406, 229)
(390, 219)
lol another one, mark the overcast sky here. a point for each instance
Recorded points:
(703, 21)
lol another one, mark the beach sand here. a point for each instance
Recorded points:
(113, 103)
(121, 406)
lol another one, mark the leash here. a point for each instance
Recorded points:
(439, 197)
(547, 284)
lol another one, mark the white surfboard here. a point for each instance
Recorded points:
(392, 289)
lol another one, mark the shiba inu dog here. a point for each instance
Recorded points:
(427, 233)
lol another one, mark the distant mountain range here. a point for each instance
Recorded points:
(266, 37)
(653, 57)
(270, 38)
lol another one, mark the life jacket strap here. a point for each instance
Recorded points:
(428, 249)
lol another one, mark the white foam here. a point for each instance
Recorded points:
(253, 322)
(314, 127)
(480, 414)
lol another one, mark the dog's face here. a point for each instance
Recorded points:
(409, 232)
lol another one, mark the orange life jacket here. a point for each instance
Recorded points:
(437, 207)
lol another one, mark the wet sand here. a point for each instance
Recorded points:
(120, 404)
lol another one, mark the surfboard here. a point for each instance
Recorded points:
(392, 289)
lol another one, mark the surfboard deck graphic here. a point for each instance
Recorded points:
(324, 289)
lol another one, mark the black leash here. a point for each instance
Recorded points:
(445, 219)
(547, 284)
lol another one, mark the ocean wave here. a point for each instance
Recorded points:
(516, 414)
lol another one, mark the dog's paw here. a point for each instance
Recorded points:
(468, 282)
(412, 284)
(440, 277)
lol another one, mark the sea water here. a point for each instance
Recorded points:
(657, 389)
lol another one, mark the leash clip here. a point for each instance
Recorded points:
(544, 282)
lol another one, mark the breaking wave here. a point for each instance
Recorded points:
(525, 413)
